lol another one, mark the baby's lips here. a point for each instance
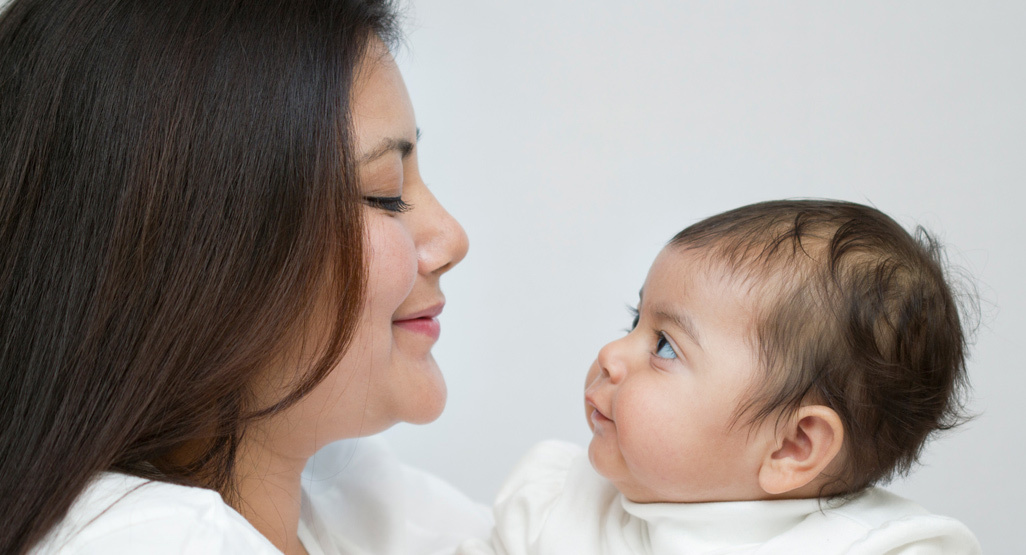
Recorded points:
(589, 402)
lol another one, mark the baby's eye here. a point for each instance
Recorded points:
(664, 349)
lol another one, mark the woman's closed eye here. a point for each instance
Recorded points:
(389, 204)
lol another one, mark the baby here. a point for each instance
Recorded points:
(784, 358)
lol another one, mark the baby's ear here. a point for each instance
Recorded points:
(803, 450)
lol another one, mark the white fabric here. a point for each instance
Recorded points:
(555, 503)
(361, 499)
(357, 499)
(123, 514)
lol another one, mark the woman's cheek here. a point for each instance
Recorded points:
(393, 262)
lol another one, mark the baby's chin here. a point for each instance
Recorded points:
(615, 471)
(600, 464)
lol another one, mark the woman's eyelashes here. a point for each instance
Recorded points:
(389, 204)
(635, 317)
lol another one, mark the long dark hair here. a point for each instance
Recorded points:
(176, 194)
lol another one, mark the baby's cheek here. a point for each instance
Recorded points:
(644, 422)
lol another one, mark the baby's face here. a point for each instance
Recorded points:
(663, 398)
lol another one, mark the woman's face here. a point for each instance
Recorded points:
(411, 242)
(388, 374)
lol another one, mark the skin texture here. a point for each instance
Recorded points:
(388, 375)
(663, 398)
(663, 402)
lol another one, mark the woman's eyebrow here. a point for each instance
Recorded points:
(391, 144)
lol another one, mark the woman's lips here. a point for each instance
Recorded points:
(427, 326)
(423, 321)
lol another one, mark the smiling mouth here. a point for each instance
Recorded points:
(424, 322)
(430, 327)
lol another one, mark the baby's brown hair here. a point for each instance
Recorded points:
(854, 313)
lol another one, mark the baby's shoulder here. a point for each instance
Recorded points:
(544, 468)
(555, 482)
(118, 513)
(552, 502)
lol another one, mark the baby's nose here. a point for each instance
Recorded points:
(611, 362)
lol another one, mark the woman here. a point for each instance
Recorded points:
(218, 257)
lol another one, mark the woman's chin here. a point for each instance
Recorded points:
(427, 414)
(427, 402)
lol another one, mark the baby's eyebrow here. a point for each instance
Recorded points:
(681, 320)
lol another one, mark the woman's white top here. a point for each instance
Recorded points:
(357, 499)
(555, 503)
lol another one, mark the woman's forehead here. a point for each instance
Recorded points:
(382, 113)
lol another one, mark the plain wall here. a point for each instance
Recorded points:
(573, 138)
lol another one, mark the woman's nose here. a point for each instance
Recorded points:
(612, 362)
(442, 242)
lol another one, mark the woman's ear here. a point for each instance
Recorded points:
(803, 450)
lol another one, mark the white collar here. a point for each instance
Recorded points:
(720, 524)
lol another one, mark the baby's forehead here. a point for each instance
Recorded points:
(707, 266)
(754, 286)
(684, 273)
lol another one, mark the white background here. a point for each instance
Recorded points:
(573, 138)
